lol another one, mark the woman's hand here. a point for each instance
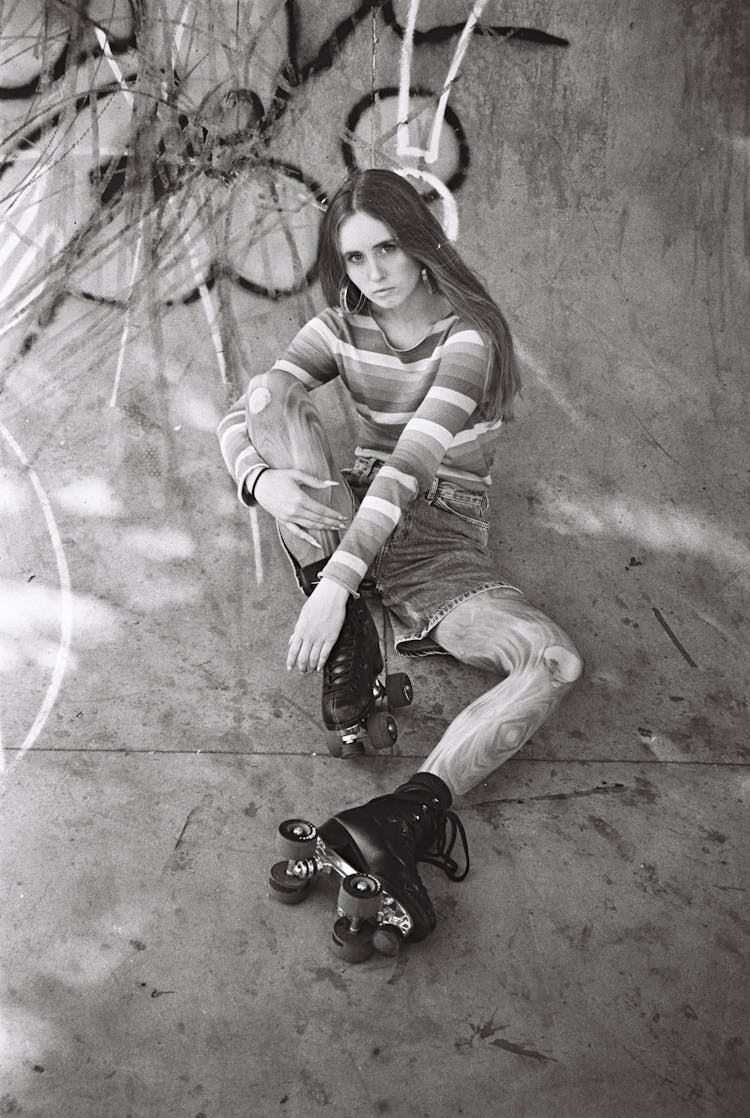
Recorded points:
(281, 493)
(318, 626)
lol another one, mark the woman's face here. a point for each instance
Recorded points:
(382, 271)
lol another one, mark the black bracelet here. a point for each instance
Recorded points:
(249, 493)
(256, 479)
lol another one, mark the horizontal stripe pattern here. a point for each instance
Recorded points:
(416, 412)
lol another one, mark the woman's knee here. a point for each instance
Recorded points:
(562, 659)
(272, 391)
(285, 427)
(506, 633)
(550, 645)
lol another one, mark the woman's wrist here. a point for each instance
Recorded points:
(346, 591)
(250, 484)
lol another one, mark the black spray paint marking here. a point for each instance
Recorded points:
(196, 149)
(678, 645)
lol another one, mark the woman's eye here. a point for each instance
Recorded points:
(386, 248)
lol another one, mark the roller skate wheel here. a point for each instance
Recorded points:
(353, 947)
(382, 730)
(399, 690)
(360, 896)
(284, 887)
(352, 748)
(387, 940)
(295, 839)
(334, 743)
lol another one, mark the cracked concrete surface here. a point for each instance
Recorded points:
(594, 962)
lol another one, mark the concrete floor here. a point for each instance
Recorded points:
(595, 961)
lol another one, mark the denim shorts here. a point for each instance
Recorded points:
(436, 558)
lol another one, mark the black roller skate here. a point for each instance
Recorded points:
(355, 700)
(375, 849)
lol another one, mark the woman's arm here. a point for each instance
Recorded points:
(240, 457)
(310, 359)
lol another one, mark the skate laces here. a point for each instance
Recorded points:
(450, 828)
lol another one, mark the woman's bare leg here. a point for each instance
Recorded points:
(499, 629)
(286, 430)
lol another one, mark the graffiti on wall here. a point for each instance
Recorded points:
(139, 149)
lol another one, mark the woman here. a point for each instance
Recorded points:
(427, 358)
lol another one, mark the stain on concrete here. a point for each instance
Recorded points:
(446, 905)
(521, 1050)
(315, 1089)
(326, 974)
(647, 933)
(642, 792)
(622, 848)
(488, 1030)
(191, 835)
(487, 809)
(648, 880)
(728, 945)
(483, 1031)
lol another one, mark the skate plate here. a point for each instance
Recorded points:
(369, 918)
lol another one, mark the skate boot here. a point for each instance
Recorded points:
(356, 703)
(389, 835)
(353, 665)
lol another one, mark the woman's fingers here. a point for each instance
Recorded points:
(300, 533)
(320, 515)
(303, 655)
(318, 626)
(293, 654)
(311, 481)
(323, 654)
(309, 514)
(311, 518)
(282, 494)
(308, 656)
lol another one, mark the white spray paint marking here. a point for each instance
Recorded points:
(257, 553)
(404, 146)
(455, 65)
(212, 318)
(561, 398)
(209, 309)
(181, 25)
(30, 257)
(20, 227)
(66, 599)
(120, 79)
(119, 76)
(126, 323)
(21, 310)
(450, 209)
(16, 235)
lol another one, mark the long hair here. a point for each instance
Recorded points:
(388, 197)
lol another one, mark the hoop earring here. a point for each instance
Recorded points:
(427, 281)
(344, 300)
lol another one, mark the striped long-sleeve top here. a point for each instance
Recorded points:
(418, 414)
